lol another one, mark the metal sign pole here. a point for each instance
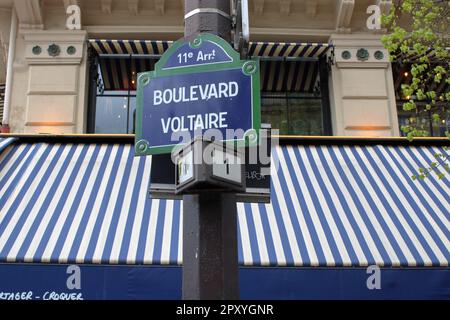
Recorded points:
(212, 16)
(210, 259)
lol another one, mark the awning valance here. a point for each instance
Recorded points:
(280, 72)
(153, 47)
(276, 76)
(287, 50)
(290, 76)
(257, 49)
(332, 205)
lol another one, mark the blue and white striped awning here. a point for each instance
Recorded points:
(5, 142)
(288, 74)
(331, 206)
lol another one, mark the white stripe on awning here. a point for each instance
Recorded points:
(5, 142)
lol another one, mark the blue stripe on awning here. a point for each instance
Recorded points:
(331, 206)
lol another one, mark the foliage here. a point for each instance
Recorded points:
(419, 37)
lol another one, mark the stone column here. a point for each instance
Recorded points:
(362, 93)
(56, 82)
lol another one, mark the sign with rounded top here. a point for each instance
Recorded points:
(198, 88)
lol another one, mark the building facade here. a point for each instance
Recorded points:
(323, 71)
(345, 219)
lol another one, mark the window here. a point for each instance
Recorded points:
(112, 114)
(420, 116)
(293, 97)
(425, 119)
(115, 98)
(293, 114)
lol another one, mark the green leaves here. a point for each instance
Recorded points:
(439, 73)
(407, 6)
(407, 90)
(421, 95)
(435, 168)
(436, 117)
(422, 45)
(431, 94)
(407, 106)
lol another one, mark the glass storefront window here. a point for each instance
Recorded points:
(115, 101)
(274, 111)
(132, 115)
(293, 114)
(305, 116)
(291, 98)
(420, 117)
(111, 114)
(424, 119)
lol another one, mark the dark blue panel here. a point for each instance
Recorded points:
(97, 282)
(343, 283)
(152, 282)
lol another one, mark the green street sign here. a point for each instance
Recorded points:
(198, 87)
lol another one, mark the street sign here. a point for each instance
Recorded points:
(196, 86)
(257, 175)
